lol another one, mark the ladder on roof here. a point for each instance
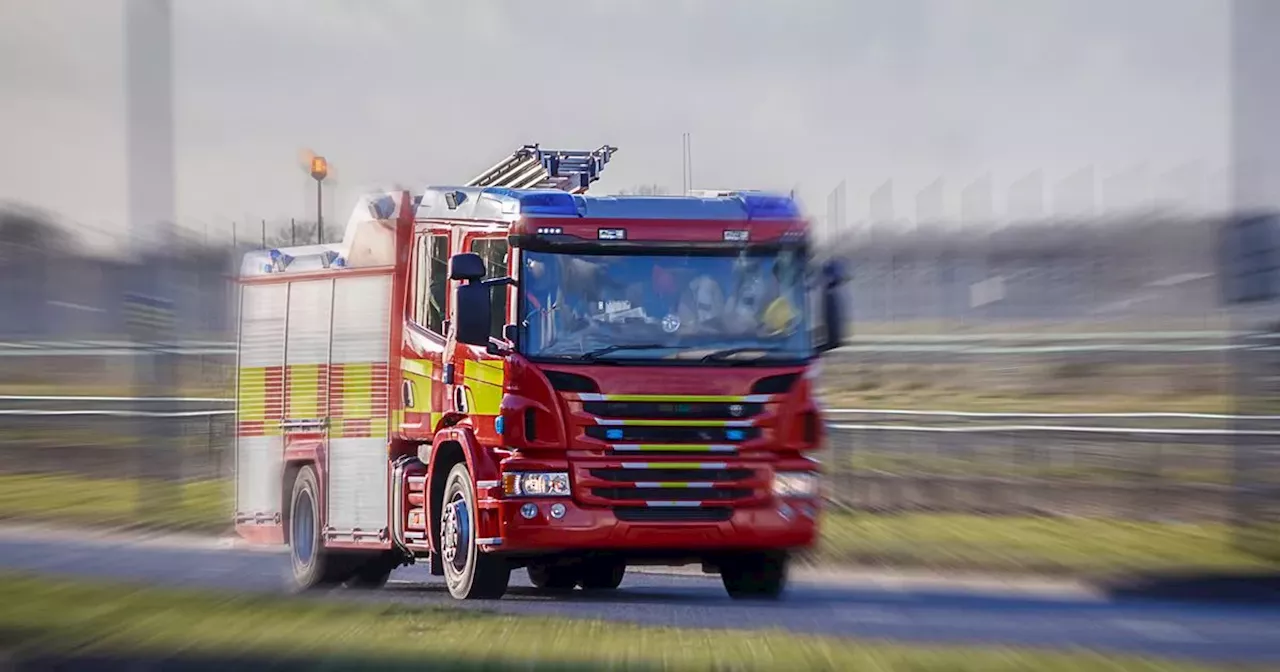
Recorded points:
(532, 167)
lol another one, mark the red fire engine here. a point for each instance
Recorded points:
(512, 373)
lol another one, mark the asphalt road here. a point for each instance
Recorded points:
(854, 607)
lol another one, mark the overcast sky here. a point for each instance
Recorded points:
(775, 94)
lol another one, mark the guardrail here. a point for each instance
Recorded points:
(832, 411)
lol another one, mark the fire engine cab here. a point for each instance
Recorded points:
(515, 374)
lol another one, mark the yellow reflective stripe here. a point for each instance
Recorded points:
(304, 391)
(421, 391)
(492, 372)
(420, 367)
(357, 390)
(674, 484)
(378, 427)
(252, 394)
(484, 385)
(689, 398)
(674, 422)
(674, 448)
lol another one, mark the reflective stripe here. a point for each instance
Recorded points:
(261, 400)
(630, 422)
(692, 398)
(484, 381)
(673, 484)
(420, 367)
(306, 391)
(674, 465)
(359, 400)
(674, 448)
(672, 504)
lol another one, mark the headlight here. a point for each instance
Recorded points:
(795, 484)
(537, 484)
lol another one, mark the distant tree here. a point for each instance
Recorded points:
(647, 190)
(301, 233)
(25, 231)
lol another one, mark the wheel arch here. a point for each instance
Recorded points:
(296, 456)
(451, 446)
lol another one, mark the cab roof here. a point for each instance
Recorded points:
(491, 204)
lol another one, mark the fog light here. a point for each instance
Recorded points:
(529, 511)
(785, 511)
(557, 511)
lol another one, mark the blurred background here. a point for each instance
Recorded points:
(1054, 365)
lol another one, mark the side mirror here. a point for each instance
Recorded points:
(474, 305)
(466, 266)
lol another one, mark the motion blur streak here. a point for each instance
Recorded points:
(1052, 424)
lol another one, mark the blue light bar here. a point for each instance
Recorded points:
(383, 207)
(279, 260)
(332, 259)
(555, 203)
(764, 206)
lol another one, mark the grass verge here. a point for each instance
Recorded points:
(1088, 547)
(45, 616)
(101, 502)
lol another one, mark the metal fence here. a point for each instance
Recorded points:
(909, 285)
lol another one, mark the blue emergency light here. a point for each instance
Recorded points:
(550, 203)
(331, 259)
(279, 261)
(765, 206)
(384, 207)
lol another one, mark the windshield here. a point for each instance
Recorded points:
(737, 307)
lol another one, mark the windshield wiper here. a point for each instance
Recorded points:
(722, 355)
(592, 355)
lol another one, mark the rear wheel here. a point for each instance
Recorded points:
(313, 565)
(470, 574)
(552, 577)
(755, 576)
(602, 574)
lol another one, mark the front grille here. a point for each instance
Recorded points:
(639, 514)
(673, 494)
(630, 475)
(644, 434)
(672, 410)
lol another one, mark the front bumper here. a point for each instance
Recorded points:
(780, 526)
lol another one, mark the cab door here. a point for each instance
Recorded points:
(422, 355)
(479, 375)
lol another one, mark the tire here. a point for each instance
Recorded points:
(313, 565)
(374, 572)
(602, 575)
(552, 577)
(470, 574)
(756, 576)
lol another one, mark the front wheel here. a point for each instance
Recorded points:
(755, 576)
(470, 574)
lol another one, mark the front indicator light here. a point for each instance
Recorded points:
(536, 484)
(795, 484)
